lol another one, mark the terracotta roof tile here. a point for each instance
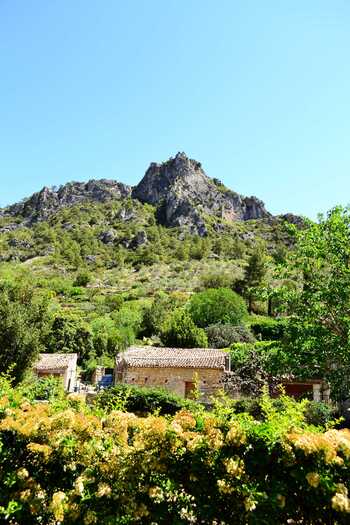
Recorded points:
(54, 361)
(154, 357)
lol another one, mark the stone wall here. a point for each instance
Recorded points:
(173, 379)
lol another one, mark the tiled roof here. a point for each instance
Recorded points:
(54, 361)
(154, 357)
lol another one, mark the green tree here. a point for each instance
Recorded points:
(155, 315)
(255, 273)
(319, 329)
(217, 305)
(180, 331)
(69, 334)
(23, 319)
(82, 278)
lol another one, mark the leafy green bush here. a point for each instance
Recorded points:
(24, 316)
(78, 465)
(180, 331)
(216, 280)
(155, 315)
(270, 355)
(114, 302)
(44, 388)
(318, 413)
(141, 400)
(213, 306)
(82, 279)
(268, 328)
(70, 334)
(223, 335)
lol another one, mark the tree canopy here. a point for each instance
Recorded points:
(319, 330)
(23, 320)
(217, 305)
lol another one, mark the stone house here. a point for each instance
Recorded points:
(179, 370)
(63, 366)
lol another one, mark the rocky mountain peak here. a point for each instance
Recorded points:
(179, 188)
(159, 179)
(184, 194)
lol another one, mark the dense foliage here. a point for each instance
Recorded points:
(224, 335)
(318, 333)
(180, 331)
(141, 400)
(217, 305)
(64, 463)
(23, 318)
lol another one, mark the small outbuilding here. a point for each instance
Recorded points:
(180, 370)
(63, 366)
(315, 389)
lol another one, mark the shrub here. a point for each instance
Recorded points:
(318, 413)
(113, 302)
(223, 335)
(24, 316)
(44, 388)
(155, 315)
(82, 279)
(71, 465)
(69, 334)
(220, 305)
(141, 400)
(269, 353)
(268, 328)
(180, 331)
(216, 280)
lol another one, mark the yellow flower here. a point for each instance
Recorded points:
(25, 495)
(249, 504)
(224, 486)
(235, 436)
(341, 503)
(90, 518)
(103, 489)
(156, 493)
(185, 419)
(215, 438)
(57, 505)
(234, 467)
(79, 486)
(45, 450)
(22, 473)
(281, 500)
(313, 479)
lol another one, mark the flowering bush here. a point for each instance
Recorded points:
(65, 464)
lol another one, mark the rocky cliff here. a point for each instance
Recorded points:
(179, 189)
(184, 194)
(45, 202)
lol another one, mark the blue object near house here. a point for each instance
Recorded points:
(105, 382)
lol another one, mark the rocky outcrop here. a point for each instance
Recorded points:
(184, 194)
(107, 237)
(42, 204)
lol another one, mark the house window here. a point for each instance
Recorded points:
(189, 389)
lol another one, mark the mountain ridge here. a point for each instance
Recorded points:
(179, 188)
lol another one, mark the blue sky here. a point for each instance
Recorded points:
(258, 91)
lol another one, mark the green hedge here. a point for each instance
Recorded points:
(141, 400)
(268, 328)
(62, 465)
